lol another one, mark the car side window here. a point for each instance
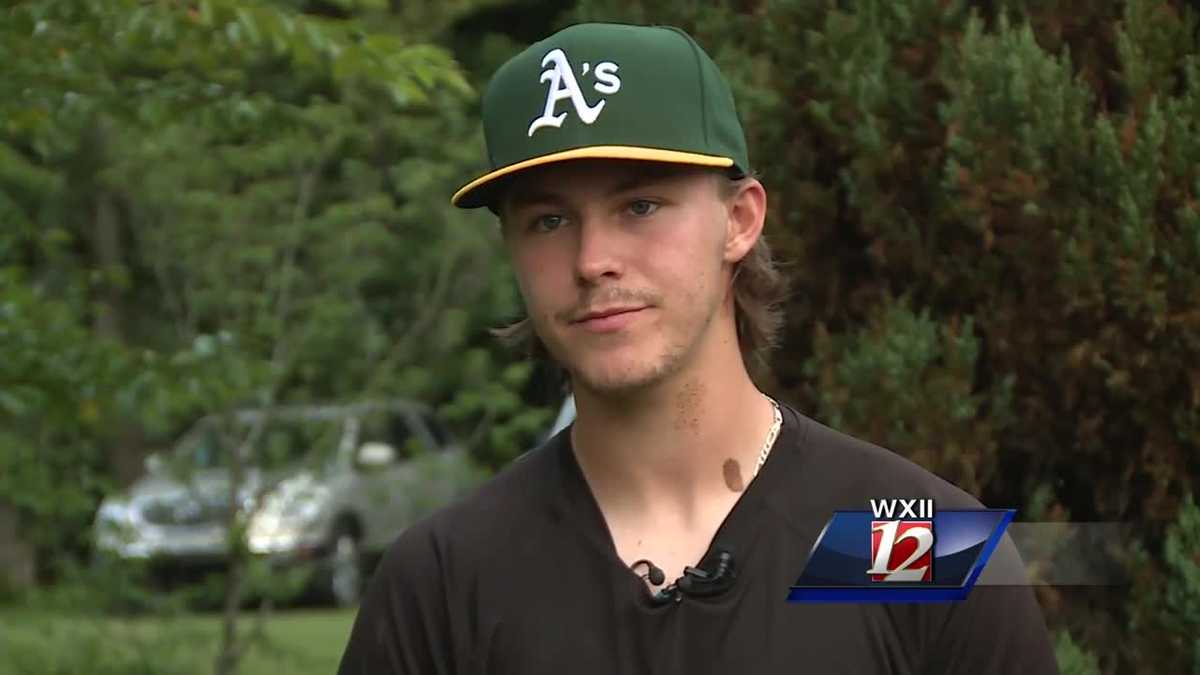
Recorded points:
(316, 438)
(285, 441)
(390, 428)
(207, 451)
(435, 428)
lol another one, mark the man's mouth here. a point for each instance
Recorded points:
(605, 313)
(609, 319)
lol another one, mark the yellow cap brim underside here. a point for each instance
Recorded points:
(594, 152)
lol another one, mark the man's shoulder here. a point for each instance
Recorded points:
(505, 507)
(846, 472)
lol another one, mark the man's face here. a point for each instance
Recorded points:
(622, 265)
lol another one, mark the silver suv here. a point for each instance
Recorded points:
(327, 489)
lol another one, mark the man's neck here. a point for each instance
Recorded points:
(671, 451)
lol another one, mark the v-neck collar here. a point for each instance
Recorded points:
(737, 532)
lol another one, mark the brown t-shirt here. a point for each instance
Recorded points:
(522, 578)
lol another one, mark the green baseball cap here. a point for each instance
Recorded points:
(610, 91)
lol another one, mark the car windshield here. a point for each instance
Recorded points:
(282, 442)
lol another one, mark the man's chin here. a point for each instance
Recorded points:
(611, 379)
(611, 386)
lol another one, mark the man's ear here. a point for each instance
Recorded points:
(746, 211)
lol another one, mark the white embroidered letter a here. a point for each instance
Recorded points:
(563, 85)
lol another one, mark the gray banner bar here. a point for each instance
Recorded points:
(1066, 554)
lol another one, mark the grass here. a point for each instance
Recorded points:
(297, 641)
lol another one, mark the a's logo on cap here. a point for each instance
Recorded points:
(563, 84)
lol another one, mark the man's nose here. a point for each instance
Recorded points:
(600, 251)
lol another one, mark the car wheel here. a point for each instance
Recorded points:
(345, 569)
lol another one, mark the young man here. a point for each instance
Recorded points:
(659, 533)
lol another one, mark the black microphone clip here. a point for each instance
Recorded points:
(653, 572)
(715, 575)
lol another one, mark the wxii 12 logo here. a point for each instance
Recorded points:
(901, 550)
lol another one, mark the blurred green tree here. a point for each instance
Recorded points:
(219, 204)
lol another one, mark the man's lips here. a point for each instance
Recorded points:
(608, 320)
(605, 313)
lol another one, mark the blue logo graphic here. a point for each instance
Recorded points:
(848, 557)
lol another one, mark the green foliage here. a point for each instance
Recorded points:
(299, 642)
(96, 593)
(1165, 595)
(105, 586)
(1073, 659)
(58, 389)
(221, 204)
(910, 382)
(489, 396)
(248, 198)
(94, 649)
(1182, 554)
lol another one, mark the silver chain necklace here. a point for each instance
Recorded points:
(771, 436)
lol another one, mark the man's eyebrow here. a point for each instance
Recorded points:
(527, 197)
(639, 180)
(523, 198)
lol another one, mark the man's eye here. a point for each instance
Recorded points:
(546, 223)
(642, 207)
